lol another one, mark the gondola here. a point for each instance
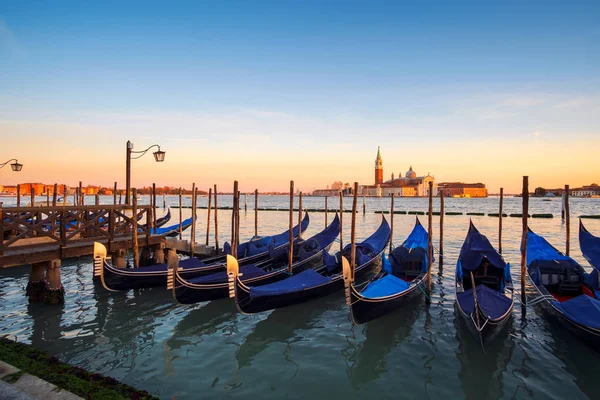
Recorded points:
(401, 279)
(566, 291)
(311, 283)
(173, 230)
(590, 247)
(484, 289)
(160, 221)
(114, 278)
(307, 254)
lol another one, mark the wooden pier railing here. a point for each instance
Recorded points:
(25, 229)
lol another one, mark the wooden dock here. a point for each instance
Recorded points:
(39, 234)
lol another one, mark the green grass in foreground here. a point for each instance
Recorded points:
(74, 379)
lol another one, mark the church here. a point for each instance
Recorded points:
(409, 185)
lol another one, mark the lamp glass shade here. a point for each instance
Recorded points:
(159, 156)
(16, 166)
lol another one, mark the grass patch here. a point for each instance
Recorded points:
(74, 379)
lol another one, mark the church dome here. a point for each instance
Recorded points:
(410, 173)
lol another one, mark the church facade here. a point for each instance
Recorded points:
(409, 185)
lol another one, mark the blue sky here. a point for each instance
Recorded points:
(231, 88)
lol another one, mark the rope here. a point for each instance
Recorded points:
(477, 327)
(425, 293)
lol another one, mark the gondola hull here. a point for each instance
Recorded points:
(146, 277)
(188, 293)
(588, 335)
(490, 330)
(249, 305)
(366, 309)
(135, 278)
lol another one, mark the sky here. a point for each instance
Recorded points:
(265, 92)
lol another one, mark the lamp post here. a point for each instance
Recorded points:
(15, 166)
(159, 156)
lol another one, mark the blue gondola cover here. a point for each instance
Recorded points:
(493, 303)
(590, 246)
(248, 271)
(304, 280)
(475, 249)
(185, 264)
(582, 309)
(386, 286)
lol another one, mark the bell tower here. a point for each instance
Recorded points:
(378, 168)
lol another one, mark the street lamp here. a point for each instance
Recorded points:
(159, 156)
(15, 166)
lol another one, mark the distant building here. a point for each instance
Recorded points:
(460, 189)
(409, 185)
(92, 190)
(326, 192)
(26, 188)
(586, 191)
(8, 189)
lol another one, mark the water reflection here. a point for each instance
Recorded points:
(575, 357)
(481, 374)
(283, 325)
(202, 320)
(368, 361)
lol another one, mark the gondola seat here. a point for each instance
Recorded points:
(485, 275)
(407, 263)
(561, 276)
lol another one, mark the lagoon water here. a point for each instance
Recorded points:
(312, 350)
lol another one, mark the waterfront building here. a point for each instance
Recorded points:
(409, 185)
(460, 189)
(326, 192)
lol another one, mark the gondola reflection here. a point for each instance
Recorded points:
(481, 374)
(382, 335)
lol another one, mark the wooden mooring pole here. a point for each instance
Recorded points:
(54, 194)
(524, 239)
(300, 215)
(325, 211)
(500, 211)
(216, 221)
(154, 205)
(208, 215)
(180, 216)
(441, 249)
(18, 195)
(32, 195)
(81, 199)
(392, 224)
(136, 253)
(255, 212)
(429, 238)
(567, 221)
(291, 248)
(115, 194)
(341, 220)
(353, 232)
(237, 220)
(193, 233)
(364, 205)
(233, 216)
